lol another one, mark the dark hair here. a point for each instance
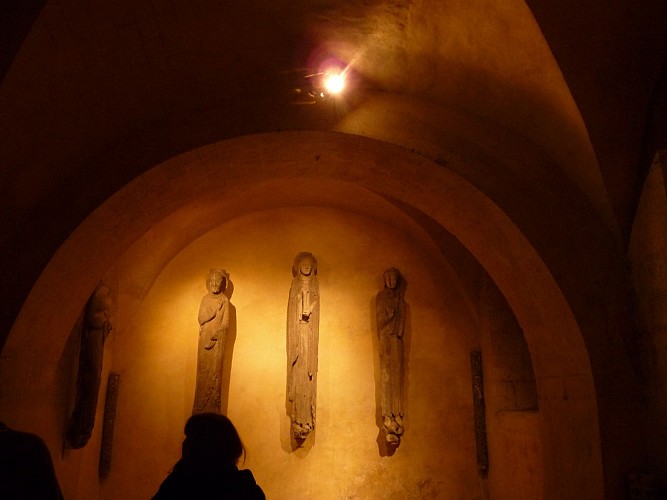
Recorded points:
(212, 437)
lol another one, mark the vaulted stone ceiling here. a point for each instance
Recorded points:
(552, 111)
(95, 93)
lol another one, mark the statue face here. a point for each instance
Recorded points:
(306, 266)
(215, 281)
(390, 279)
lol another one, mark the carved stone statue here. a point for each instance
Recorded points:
(213, 325)
(303, 320)
(95, 329)
(390, 315)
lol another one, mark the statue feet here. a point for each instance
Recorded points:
(393, 439)
(393, 426)
(301, 430)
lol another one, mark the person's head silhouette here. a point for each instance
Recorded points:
(211, 438)
(208, 466)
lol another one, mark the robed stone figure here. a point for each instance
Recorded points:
(95, 329)
(213, 320)
(390, 316)
(303, 320)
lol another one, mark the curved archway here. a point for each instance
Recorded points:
(186, 196)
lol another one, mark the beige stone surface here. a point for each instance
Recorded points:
(648, 258)
(518, 134)
(302, 169)
(155, 355)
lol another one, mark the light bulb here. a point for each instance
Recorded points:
(334, 83)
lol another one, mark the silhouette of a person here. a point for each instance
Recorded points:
(26, 469)
(208, 467)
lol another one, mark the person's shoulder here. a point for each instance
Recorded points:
(27, 440)
(250, 489)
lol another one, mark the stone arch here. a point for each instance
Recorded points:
(187, 195)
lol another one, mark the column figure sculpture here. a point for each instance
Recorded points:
(303, 318)
(213, 325)
(390, 316)
(95, 329)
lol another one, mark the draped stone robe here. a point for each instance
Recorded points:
(390, 316)
(213, 320)
(96, 328)
(302, 345)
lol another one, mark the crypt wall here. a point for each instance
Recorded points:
(647, 255)
(156, 357)
(134, 237)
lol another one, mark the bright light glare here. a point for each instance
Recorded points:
(334, 83)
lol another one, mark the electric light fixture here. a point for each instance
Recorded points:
(334, 83)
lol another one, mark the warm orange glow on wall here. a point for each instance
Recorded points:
(159, 358)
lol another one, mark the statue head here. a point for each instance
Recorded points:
(98, 311)
(217, 281)
(392, 278)
(305, 264)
